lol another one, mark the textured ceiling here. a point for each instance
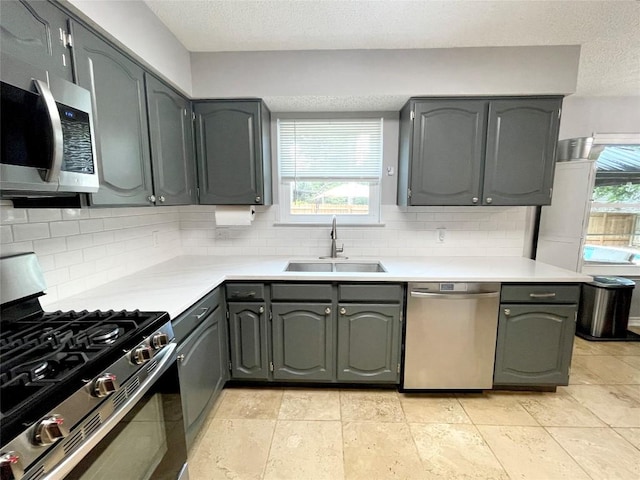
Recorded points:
(608, 31)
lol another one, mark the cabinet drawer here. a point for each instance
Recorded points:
(370, 293)
(245, 291)
(301, 291)
(190, 319)
(540, 293)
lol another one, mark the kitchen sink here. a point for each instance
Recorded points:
(309, 267)
(359, 267)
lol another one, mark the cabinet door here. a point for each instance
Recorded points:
(521, 145)
(201, 371)
(369, 343)
(228, 144)
(448, 148)
(303, 341)
(120, 119)
(248, 341)
(534, 344)
(172, 152)
(31, 32)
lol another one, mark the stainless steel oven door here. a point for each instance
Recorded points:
(143, 439)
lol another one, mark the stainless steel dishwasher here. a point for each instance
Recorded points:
(451, 336)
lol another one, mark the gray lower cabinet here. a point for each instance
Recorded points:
(233, 152)
(35, 33)
(248, 341)
(172, 149)
(303, 341)
(202, 369)
(369, 343)
(534, 344)
(477, 151)
(120, 118)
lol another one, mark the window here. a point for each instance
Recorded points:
(330, 167)
(613, 234)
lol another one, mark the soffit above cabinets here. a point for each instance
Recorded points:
(608, 32)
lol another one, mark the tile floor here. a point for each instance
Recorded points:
(588, 430)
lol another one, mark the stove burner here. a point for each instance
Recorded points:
(104, 334)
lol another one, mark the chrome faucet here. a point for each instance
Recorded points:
(334, 236)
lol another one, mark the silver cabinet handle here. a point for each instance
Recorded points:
(454, 296)
(327, 310)
(542, 295)
(474, 200)
(258, 199)
(261, 309)
(343, 311)
(55, 123)
(507, 311)
(180, 357)
(161, 198)
(489, 199)
(204, 311)
(151, 198)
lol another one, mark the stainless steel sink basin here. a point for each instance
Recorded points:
(309, 267)
(359, 267)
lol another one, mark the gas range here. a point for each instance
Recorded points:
(64, 374)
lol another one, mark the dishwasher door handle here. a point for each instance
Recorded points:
(454, 296)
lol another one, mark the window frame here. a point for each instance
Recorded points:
(285, 217)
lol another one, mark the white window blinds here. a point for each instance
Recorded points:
(318, 149)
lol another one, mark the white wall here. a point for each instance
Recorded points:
(583, 116)
(276, 75)
(136, 28)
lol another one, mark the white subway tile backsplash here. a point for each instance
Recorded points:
(16, 247)
(30, 231)
(91, 226)
(64, 229)
(78, 242)
(66, 259)
(6, 235)
(50, 245)
(44, 215)
(75, 213)
(10, 215)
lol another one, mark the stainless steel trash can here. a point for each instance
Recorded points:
(604, 307)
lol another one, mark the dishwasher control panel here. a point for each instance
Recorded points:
(453, 287)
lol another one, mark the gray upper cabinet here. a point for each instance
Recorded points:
(303, 339)
(35, 32)
(172, 150)
(369, 343)
(120, 118)
(248, 341)
(448, 146)
(521, 147)
(482, 151)
(233, 152)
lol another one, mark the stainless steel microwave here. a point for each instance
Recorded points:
(46, 134)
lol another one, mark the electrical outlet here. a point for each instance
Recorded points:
(222, 233)
(440, 234)
(155, 239)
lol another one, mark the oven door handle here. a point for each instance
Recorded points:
(57, 147)
(67, 465)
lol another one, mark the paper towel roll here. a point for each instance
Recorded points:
(235, 214)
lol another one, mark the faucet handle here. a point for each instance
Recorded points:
(340, 249)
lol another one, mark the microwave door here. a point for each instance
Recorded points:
(31, 139)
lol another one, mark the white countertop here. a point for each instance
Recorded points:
(175, 285)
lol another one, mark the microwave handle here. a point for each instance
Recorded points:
(57, 149)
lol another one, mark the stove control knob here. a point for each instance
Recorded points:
(10, 465)
(141, 354)
(159, 340)
(105, 385)
(50, 430)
